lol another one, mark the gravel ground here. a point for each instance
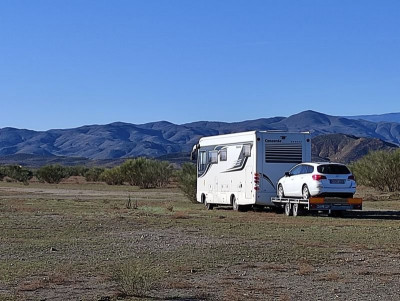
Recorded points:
(69, 243)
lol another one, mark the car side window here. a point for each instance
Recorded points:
(297, 170)
(307, 169)
(304, 169)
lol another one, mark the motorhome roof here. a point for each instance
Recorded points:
(253, 132)
(249, 136)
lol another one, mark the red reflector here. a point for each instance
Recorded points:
(318, 177)
(256, 181)
(256, 188)
(351, 177)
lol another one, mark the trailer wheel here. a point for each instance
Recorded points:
(281, 193)
(306, 192)
(296, 210)
(235, 205)
(288, 210)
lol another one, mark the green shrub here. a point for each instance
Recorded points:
(78, 170)
(187, 179)
(93, 174)
(16, 172)
(162, 171)
(380, 169)
(146, 173)
(112, 176)
(52, 173)
(2, 173)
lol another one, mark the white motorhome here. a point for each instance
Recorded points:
(243, 168)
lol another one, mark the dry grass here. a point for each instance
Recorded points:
(209, 255)
(180, 215)
(331, 276)
(305, 269)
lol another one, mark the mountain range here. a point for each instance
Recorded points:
(390, 117)
(155, 139)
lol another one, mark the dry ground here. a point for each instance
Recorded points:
(72, 241)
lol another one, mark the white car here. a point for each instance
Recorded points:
(317, 179)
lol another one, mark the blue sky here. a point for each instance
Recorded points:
(70, 63)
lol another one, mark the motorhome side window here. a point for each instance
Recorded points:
(202, 160)
(213, 156)
(247, 150)
(223, 155)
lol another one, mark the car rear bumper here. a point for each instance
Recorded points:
(341, 192)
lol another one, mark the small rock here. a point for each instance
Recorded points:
(52, 249)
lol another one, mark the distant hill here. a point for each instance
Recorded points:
(124, 140)
(345, 148)
(332, 147)
(390, 117)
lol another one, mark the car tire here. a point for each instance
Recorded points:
(305, 192)
(280, 192)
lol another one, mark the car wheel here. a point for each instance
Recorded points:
(281, 193)
(288, 210)
(305, 192)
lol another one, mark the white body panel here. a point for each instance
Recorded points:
(227, 165)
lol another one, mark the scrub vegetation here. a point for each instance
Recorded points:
(380, 170)
(79, 241)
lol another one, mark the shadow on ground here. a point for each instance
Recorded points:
(377, 214)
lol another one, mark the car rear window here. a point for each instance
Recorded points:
(333, 169)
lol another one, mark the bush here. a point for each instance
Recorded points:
(76, 170)
(2, 173)
(16, 172)
(380, 169)
(134, 279)
(146, 173)
(187, 179)
(112, 176)
(52, 173)
(93, 174)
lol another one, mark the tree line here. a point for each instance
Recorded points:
(142, 172)
(380, 170)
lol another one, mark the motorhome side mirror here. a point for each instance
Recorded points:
(287, 174)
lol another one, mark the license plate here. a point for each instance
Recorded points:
(337, 181)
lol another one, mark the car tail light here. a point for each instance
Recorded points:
(352, 178)
(318, 177)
